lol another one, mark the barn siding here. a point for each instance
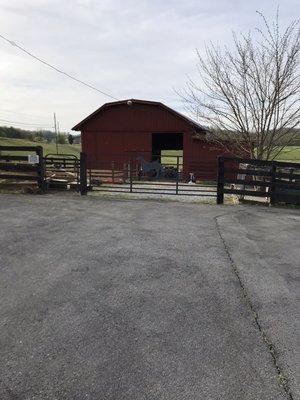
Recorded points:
(136, 118)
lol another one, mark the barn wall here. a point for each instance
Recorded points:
(203, 159)
(115, 146)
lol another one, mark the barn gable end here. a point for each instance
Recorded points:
(137, 116)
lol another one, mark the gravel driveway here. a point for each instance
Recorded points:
(143, 300)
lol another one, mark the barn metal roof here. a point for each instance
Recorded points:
(197, 126)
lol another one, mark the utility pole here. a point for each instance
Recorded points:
(56, 134)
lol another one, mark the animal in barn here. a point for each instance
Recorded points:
(148, 166)
(192, 178)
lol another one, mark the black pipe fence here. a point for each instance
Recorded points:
(165, 174)
(62, 171)
(28, 166)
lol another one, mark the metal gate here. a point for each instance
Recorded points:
(151, 175)
(62, 171)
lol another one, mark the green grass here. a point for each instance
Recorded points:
(49, 148)
(290, 153)
(169, 157)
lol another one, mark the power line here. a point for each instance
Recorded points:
(20, 113)
(56, 69)
(24, 123)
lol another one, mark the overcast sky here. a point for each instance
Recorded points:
(129, 48)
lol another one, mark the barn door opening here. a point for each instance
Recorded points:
(167, 143)
(167, 149)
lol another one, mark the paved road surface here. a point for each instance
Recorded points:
(108, 299)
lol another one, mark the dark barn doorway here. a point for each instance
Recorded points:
(166, 141)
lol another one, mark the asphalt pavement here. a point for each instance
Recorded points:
(147, 300)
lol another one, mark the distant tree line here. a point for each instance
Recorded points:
(35, 136)
(292, 137)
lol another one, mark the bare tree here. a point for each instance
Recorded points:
(249, 96)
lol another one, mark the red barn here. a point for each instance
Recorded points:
(127, 129)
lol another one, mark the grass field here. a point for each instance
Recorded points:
(49, 148)
(169, 157)
(291, 153)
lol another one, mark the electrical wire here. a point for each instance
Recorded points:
(56, 69)
(26, 124)
(5, 110)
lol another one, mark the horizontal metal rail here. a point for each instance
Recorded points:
(197, 191)
(183, 194)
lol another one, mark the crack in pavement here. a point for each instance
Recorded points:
(282, 378)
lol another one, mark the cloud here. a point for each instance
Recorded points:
(141, 49)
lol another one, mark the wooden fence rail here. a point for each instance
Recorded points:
(278, 181)
(20, 167)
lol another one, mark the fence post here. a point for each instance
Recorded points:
(130, 174)
(272, 189)
(177, 175)
(220, 188)
(83, 174)
(41, 169)
(113, 171)
(90, 177)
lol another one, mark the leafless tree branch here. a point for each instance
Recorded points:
(249, 96)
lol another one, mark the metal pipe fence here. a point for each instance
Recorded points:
(151, 174)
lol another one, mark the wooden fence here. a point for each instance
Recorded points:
(278, 181)
(22, 165)
(27, 164)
